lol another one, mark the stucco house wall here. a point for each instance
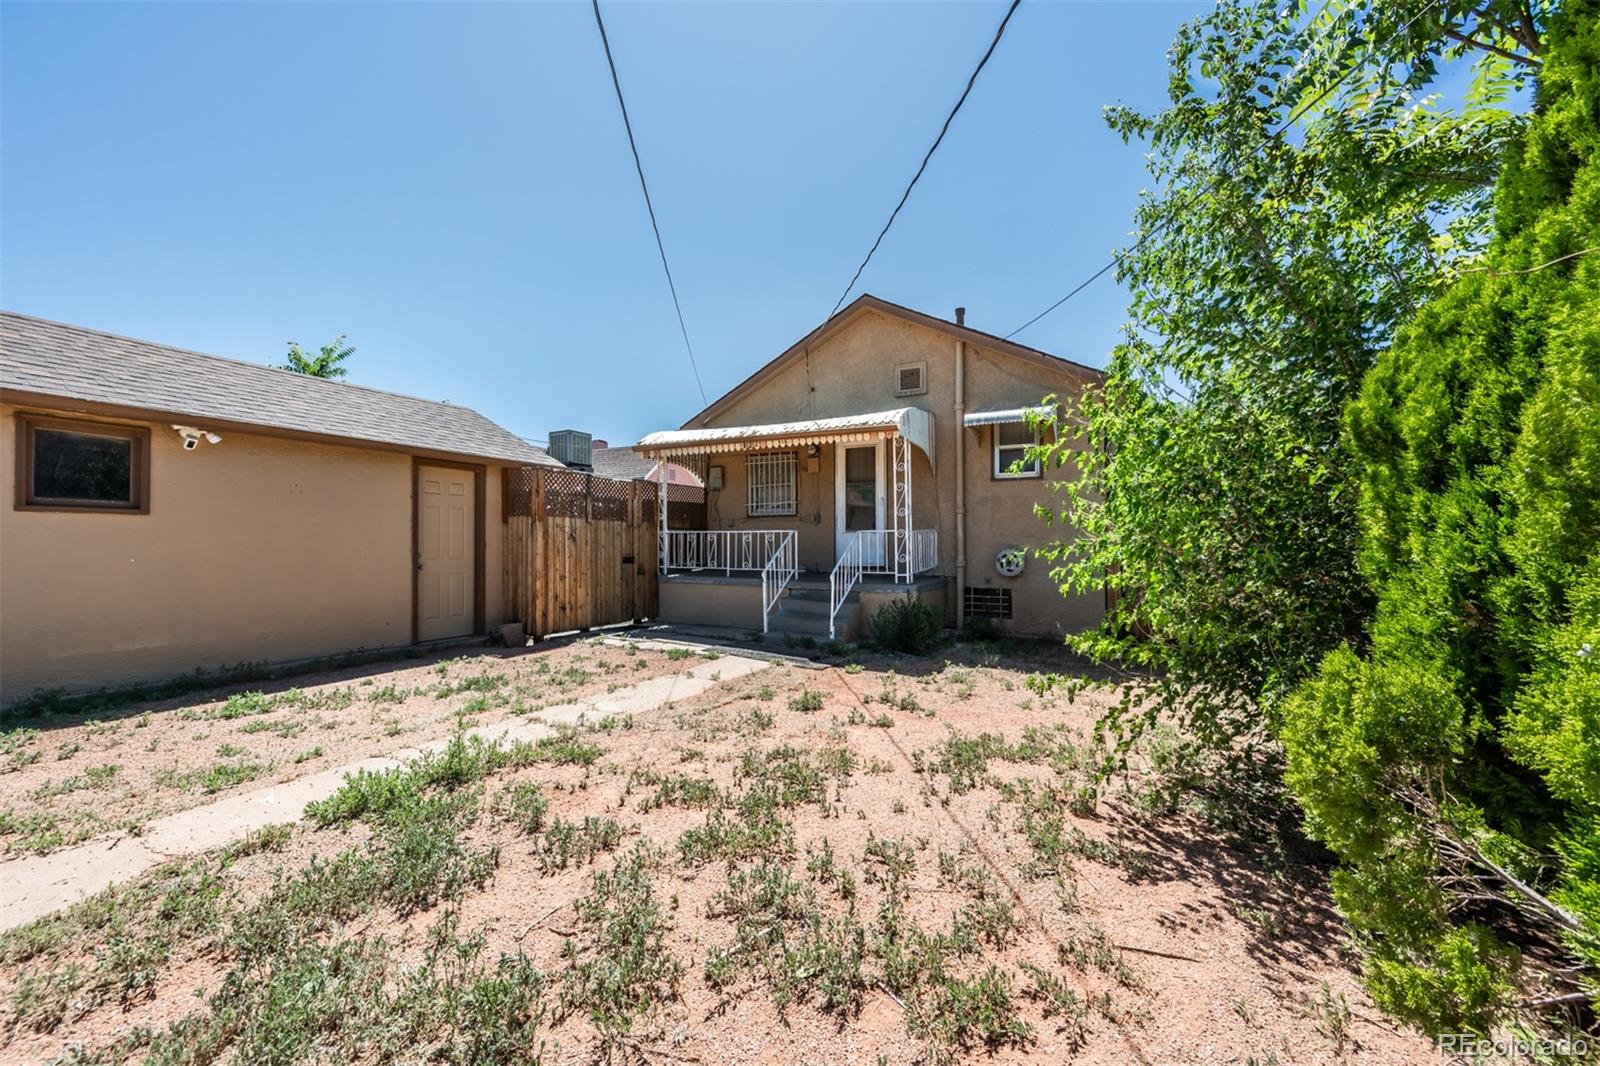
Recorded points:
(257, 549)
(852, 371)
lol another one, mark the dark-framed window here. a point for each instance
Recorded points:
(65, 464)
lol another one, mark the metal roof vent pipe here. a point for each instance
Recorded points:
(961, 316)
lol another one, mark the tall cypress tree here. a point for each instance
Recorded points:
(1453, 764)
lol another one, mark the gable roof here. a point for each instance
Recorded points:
(868, 302)
(42, 361)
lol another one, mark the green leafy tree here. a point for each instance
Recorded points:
(1211, 486)
(327, 363)
(1451, 758)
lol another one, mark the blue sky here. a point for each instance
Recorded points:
(450, 184)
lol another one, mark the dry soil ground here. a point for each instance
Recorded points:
(66, 779)
(889, 861)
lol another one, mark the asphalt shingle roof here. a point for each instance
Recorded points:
(71, 362)
(621, 462)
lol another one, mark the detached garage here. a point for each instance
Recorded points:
(172, 511)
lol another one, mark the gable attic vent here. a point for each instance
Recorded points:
(910, 379)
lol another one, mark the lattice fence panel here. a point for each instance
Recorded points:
(586, 557)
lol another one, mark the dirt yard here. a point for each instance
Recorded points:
(884, 861)
(64, 780)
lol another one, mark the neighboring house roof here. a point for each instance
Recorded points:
(912, 423)
(41, 361)
(620, 462)
(624, 462)
(868, 302)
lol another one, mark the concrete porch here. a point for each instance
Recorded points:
(734, 601)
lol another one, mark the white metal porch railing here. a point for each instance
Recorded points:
(722, 549)
(879, 551)
(781, 569)
(846, 573)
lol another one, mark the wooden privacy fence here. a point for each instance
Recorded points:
(580, 550)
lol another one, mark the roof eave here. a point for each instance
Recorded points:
(23, 398)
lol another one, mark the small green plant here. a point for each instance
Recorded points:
(1333, 1017)
(566, 748)
(572, 843)
(908, 625)
(1060, 1001)
(524, 806)
(225, 775)
(678, 790)
(890, 863)
(955, 1015)
(808, 701)
(753, 831)
(618, 968)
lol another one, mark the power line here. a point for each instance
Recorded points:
(935, 147)
(1294, 117)
(639, 166)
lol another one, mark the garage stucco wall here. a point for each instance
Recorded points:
(852, 371)
(258, 549)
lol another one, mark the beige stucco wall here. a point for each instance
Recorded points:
(258, 549)
(852, 372)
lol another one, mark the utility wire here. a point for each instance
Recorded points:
(639, 166)
(934, 148)
(1160, 228)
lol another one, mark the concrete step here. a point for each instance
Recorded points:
(801, 626)
(805, 607)
(815, 594)
(809, 618)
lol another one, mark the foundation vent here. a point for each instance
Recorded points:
(984, 602)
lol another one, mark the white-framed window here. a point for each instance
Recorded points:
(1011, 443)
(769, 484)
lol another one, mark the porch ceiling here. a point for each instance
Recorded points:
(912, 423)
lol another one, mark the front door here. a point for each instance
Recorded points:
(447, 540)
(861, 500)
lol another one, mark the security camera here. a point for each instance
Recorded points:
(192, 436)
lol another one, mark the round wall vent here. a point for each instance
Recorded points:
(1009, 561)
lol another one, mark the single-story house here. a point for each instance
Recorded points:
(173, 511)
(876, 457)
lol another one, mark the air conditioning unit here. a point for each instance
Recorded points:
(572, 447)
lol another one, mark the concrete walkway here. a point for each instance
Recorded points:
(33, 887)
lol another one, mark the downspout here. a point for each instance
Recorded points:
(961, 475)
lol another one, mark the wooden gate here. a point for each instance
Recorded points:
(580, 550)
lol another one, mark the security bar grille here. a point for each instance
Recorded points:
(988, 602)
(770, 483)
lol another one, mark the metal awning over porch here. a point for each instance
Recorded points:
(912, 423)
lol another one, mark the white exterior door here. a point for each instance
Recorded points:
(447, 540)
(861, 500)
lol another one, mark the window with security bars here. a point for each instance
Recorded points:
(984, 602)
(770, 484)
